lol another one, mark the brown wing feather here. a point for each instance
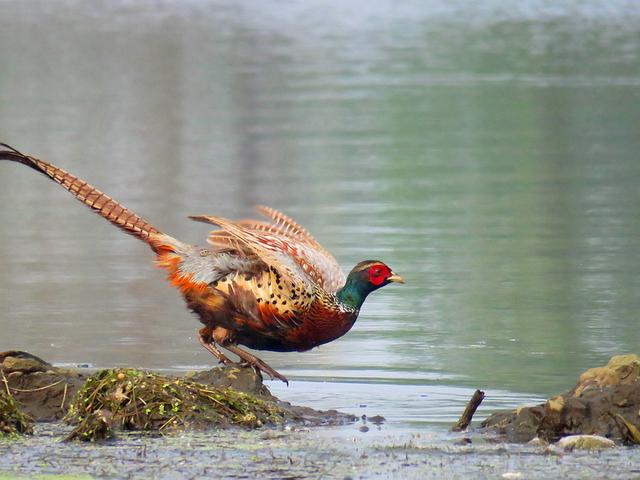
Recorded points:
(332, 276)
(279, 244)
(288, 226)
(275, 250)
(223, 241)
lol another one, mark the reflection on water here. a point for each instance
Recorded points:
(488, 155)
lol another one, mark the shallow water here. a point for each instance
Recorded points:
(338, 453)
(488, 154)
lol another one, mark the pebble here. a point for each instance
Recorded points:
(512, 475)
(585, 442)
(537, 442)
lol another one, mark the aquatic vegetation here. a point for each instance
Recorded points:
(12, 420)
(132, 399)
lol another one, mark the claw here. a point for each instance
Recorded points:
(256, 363)
(247, 359)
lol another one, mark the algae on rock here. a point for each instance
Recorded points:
(131, 399)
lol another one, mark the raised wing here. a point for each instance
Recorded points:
(289, 227)
(284, 245)
(326, 264)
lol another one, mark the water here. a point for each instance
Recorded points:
(487, 153)
(297, 455)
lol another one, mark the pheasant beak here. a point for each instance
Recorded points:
(395, 278)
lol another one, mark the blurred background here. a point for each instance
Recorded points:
(487, 151)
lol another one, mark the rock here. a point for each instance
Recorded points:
(520, 425)
(620, 370)
(594, 411)
(42, 390)
(17, 361)
(585, 442)
(245, 379)
(242, 379)
(377, 419)
(605, 401)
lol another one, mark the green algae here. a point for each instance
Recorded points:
(131, 399)
(12, 420)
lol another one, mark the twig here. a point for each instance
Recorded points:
(168, 422)
(64, 396)
(36, 389)
(470, 409)
(6, 383)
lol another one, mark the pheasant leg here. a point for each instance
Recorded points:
(204, 335)
(256, 363)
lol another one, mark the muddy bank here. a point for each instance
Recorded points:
(131, 399)
(605, 401)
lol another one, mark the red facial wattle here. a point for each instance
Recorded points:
(378, 274)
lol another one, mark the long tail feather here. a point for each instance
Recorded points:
(100, 203)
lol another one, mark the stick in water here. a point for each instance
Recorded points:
(469, 411)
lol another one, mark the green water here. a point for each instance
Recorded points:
(489, 154)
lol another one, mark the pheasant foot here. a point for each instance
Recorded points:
(256, 363)
(204, 336)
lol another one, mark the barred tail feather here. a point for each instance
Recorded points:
(100, 203)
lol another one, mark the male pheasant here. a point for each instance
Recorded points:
(268, 285)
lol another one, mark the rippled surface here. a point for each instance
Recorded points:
(489, 155)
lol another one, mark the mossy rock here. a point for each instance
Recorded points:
(132, 399)
(605, 401)
(620, 370)
(12, 420)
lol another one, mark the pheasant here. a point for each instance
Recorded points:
(265, 284)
